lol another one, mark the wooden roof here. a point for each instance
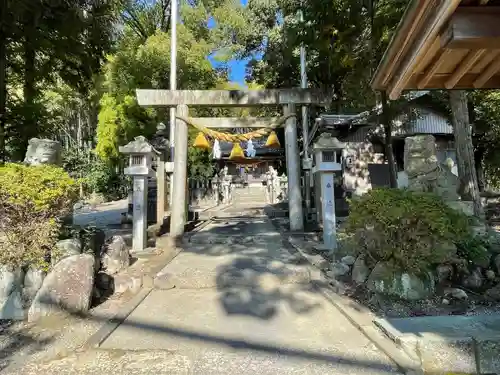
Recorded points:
(443, 44)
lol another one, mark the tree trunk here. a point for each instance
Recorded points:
(389, 152)
(478, 162)
(465, 155)
(29, 128)
(3, 78)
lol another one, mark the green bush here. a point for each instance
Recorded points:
(475, 249)
(411, 230)
(33, 200)
(108, 180)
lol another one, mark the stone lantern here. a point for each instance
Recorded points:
(140, 154)
(327, 157)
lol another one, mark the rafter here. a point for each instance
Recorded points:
(485, 76)
(433, 68)
(466, 64)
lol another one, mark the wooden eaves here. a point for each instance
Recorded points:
(443, 44)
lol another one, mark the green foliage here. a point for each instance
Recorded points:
(411, 230)
(33, 199)
(107, 179)
(475, 249)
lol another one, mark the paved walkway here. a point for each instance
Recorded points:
(238, 303)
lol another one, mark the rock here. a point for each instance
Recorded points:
(360, 271)
(123, 283)
(496, 261)
(115, 256)
(104, 281)
(490, 275)
(11, 304)
(445, 301)
(68, 286)
(43, 151)
(444, 272)
(456, 293)
(338, 269)
(493, 293)
(33, 281)
(348, 260)
(66, 248)
(384, 279)
(420, 155)
(474, 280)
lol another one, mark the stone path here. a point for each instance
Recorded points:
(234, 301)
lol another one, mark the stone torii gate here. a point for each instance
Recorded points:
(181, 99)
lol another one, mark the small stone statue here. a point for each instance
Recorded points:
(272, 185)
(250, 150)
(226, 185)
(43, 151)
(216, 150)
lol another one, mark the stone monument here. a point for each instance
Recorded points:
(140, 154)
(43, 151)
(426, 174)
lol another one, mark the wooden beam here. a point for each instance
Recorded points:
(483, 2)
(473, 28)
(434, 67)
(466, 64)
(232, 98)
(235, 122)
(467, 82)
(401, 39)
(486, 74)
(428, 33)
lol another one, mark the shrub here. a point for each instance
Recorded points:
(108, 180)
(33, 199)
(411, 230)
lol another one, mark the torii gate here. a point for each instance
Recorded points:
(181, 99)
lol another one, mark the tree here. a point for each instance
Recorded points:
(465, 155)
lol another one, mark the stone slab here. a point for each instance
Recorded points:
(228, 98)
(439, 355)
(294, 331)
(488, 354)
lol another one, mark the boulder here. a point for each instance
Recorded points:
(474, 280)
(67, 287)
(444, 272)
(338, 269)
(66, 248)
(11, 305)
(494, 293)
(496, 261)
(360, 271)
(386, 280)
(115, 256)
(456, 293)
(490, 275)
(33, 281)
(348, 260)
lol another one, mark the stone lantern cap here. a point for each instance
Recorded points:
(140, 154)
(327, 142)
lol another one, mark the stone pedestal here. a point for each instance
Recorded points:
(140, 226)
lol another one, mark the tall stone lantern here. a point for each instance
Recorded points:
(327, 157)
(140, 154)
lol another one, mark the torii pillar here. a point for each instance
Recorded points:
(181, 99)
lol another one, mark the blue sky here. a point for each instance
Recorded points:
(236, 67)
